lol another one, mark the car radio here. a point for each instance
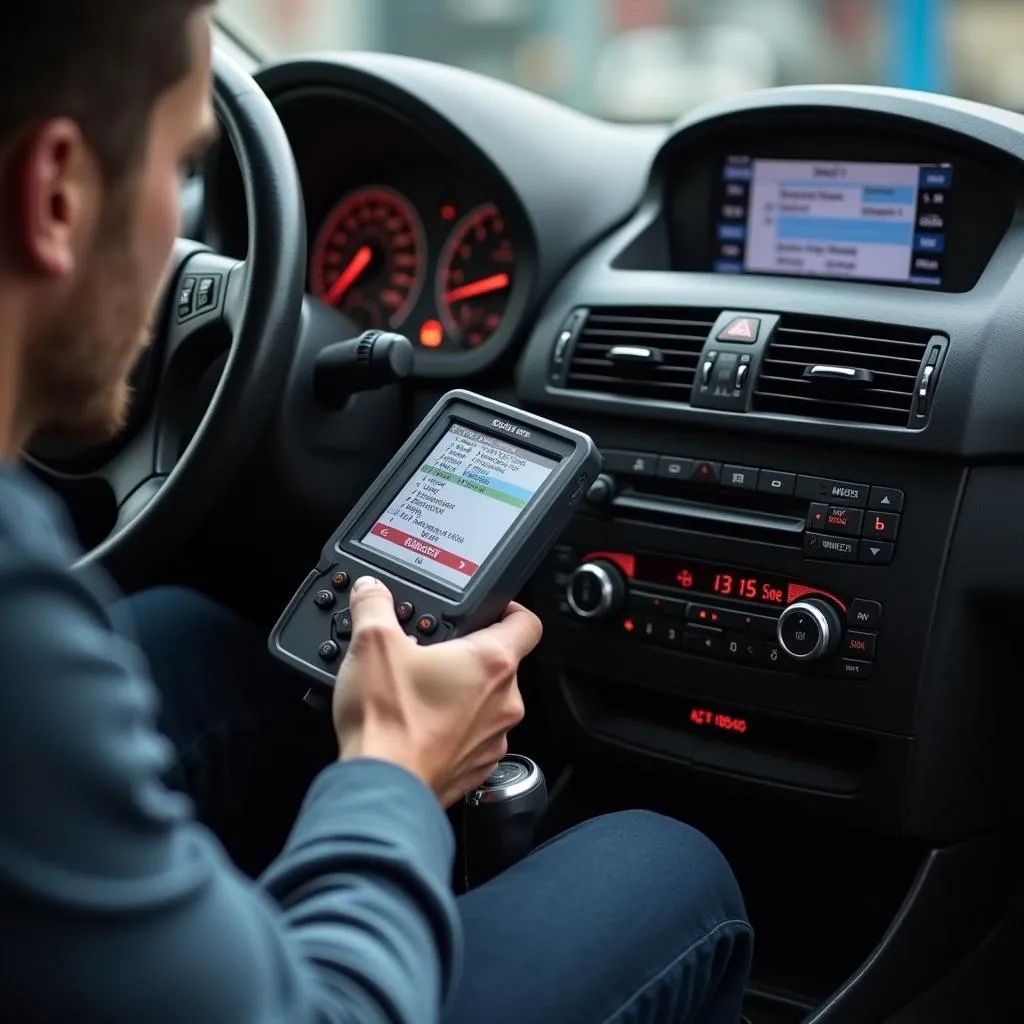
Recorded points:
(718, 610)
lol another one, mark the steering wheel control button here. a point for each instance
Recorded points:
(324, 599)
(427, 625)
(835, 519)
(186, 298)
(329, 651)
(405, 611)
(771, 482)
(632, 463)
(886, 499)
(343, 625)
(809, 630)
(672, 468)
(859, 645)
(741, 330)
(341, 581)
(742, 477)
(206, 294)
(876, 552)
(865, 614)
(816, 488)
(833, 549)
(881, 526)
(706, 472)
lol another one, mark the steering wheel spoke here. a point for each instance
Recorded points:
(205, 296)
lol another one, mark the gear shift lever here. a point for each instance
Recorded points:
(500, 818)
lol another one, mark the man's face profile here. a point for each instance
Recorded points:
(94, 252)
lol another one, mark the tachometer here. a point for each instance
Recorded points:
(475, 276)
(369, 258)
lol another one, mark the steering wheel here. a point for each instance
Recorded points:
(163, 487)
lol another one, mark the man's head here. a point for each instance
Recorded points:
(103, 104)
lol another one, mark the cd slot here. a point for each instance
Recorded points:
(724, 520)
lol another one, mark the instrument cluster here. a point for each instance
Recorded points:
(419, 254)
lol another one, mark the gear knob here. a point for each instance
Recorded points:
(500, 818)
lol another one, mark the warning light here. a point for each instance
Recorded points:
(431, 334)
(629, 625)
(448, 211)
(685, 579)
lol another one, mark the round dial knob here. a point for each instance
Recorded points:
(810, 630)
(596, 590)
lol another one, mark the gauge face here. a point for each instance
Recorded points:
(369, 259)
(475, 275)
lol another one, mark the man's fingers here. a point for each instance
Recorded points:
(519, 631)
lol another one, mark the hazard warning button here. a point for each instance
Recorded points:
(741, 330)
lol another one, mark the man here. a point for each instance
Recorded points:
(115, 904)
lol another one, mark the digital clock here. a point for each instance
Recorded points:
(715, 580)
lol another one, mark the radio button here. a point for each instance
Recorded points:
(886, 499)
(818, 488)
(596, 590)
(635, 463)
(702, 641)
(859, 645)
(672, 468)
(670, 634)
(770, 481)
(865, 614)
(850, 669)
(771, 653)
(882, 525)
(742, 477)
(876, 552)
(706, 472)
(706, 615)
(835, 549)
(835, 519)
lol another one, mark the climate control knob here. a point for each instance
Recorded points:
(596, 590)
(810, 630)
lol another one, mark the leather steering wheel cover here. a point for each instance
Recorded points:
(269, 308)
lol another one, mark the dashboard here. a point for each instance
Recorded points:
(791, 322)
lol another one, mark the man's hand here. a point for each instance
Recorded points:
(442, 712)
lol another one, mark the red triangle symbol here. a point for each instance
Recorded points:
(741, 328)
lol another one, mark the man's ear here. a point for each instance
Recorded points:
(58, 197)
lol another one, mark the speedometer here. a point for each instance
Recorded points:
(475, 276)
(369, 258)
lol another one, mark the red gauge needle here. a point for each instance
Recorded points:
(484, 286)
(349, 275)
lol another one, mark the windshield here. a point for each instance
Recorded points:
(653, 60)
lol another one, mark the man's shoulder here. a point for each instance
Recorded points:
(33, 522)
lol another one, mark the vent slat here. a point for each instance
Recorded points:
(678, 334)
(893, 355)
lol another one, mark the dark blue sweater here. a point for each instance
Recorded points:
(115, 905)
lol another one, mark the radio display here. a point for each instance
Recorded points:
(835, 219)
(728, 582)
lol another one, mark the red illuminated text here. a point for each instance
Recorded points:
(716, 720)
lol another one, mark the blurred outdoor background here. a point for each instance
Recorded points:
(653, 60)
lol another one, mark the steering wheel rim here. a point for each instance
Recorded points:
(263, 298)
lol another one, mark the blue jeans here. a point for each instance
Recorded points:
(631, 917)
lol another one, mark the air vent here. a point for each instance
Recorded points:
(808, 358)
(640, 353)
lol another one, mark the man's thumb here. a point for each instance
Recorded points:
(372, 604)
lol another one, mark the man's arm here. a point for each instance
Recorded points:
(117, 906)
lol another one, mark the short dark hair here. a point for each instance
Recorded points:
(103, 63)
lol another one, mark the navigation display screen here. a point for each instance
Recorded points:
(455, 509)
(834, 219)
